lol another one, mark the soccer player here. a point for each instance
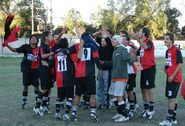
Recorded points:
(29, 66)
(86, 57)
(64, 67)
(132, 75)
(147, 81)
(46, 71)
(173, 70)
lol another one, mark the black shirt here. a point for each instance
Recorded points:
(30, 59)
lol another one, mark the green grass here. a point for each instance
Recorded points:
(11, 113)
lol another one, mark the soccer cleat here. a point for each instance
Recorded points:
(44, 109)
(144, 113)
(38, 111)
(116, 116)
(94, 116)
(121, 119)
(66, 117)
(131, 113)
(150, 114)
(73, 117)
(165, 123)
(136, 107)
(174, 122)
(57, 116)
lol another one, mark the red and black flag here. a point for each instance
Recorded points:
(10, 36)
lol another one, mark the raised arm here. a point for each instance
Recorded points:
(60, 35)
(11, 48)
(76, 29)
(141, 43)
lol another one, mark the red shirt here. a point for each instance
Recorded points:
(64, 68)
(147, 55)
(173, 58)
(86, 65)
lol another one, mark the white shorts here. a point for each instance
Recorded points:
(117, 88)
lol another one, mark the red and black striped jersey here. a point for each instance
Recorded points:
(64, 68)
(86, 65)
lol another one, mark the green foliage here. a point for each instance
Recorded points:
(69, 20)
(172, 22)
(132, 15)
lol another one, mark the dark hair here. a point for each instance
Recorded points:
(110, 32)
(63, 43)
(106, 40)
(98, 40)
(85, 34)
(146, 31)
(44, 34)
(124, 32)
(171, 35)
(127, 37)
(33, 35)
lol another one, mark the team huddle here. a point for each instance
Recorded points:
(73, 69)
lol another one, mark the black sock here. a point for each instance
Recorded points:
(74, 109)
(45, 99)
(175, 111)
(68, 105)
(39, 100)
(135, 98)
(176, 106)
(115, 103)
(121, 108)
(146, 106)
(132, 105)
(24, 94)
(93, 109)
(36, 95)
(170, 114)
(58, 104)
(151, 106)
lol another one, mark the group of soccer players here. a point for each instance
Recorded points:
(73, 69)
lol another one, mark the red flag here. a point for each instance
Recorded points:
(10, 36)
(182, 90)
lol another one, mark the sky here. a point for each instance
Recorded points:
(86, 7)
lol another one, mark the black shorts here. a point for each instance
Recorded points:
(45, 78)
(148, 78)
(65, 92)
(86, 85)
(172, 90)
(30, 78)
(131, 82)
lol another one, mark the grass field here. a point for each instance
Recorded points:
(11, 113)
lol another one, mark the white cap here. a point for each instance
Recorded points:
(118, 38)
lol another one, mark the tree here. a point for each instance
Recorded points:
(132, 15)
(150, 13)
(69, 19)
(183, 32)
(172, 22)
